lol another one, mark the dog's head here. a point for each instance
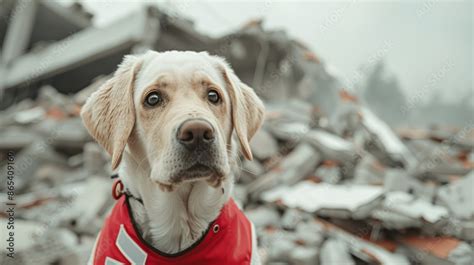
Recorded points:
(181, 108)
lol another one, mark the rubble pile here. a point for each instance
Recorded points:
(330, 182)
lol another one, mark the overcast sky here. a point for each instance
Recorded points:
(427, 45)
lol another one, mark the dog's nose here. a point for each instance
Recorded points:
(193, 133)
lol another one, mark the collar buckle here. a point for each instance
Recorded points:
(117, 189)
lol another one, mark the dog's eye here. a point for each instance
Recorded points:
(153, 99)
(213, 97)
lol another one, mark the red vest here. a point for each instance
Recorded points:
(228, 240)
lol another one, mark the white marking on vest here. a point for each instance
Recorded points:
(129, 248)
(111, 261)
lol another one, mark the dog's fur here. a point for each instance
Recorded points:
(141, 140)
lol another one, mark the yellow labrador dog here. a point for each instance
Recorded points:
(172, 122)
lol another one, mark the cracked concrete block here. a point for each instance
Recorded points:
(341, 201)
(250, 171)
(310, 233)
(329, 174)
(263, 145)
(263, 216)
(294, 167)
(331, 146)
(33, 240)
(304, 255)
(29, 161)
(335, 251)
(292, 217)
(459, 197)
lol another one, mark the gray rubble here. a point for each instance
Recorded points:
(330, 183)
(459, 197)
(335, 251)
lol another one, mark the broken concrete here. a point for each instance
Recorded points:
(320, 153)
(293, 168)
(459, 197)
(335, 251)
(326, 199)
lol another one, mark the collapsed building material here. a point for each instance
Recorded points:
(304, 255)
(293, 132)
(263, 145)
(94, 159)
(394, 220)
(81, 49)
(437, 250)
(32, 22)
(410, 206)
(459, 197)
(278, 244)
(250, 171)
(16, 138)
(292, 110)
(328, 200)
(78, 206)
(335, 251)
(440, 165)
(70, 59)
(369, 170)
(314, 131)
(32, 240)
(263, 217)
(365, 250)
(292, 217)
(331, 146)
(310, 233)
(329, 173)
(400, 180)
(293, 168)
(384, 143)
(29, 161)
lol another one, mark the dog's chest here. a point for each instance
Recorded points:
(230, 233)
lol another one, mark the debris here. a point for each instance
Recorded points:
(292, 217)
(331, 146)
(437, 250)
(329, 173)
(366, 250)
(293, 168)
(263, 217)
(29, 116)
(33, 239)
(327, 199)
(304, 255)
(16, 138)
(459, 197)
(387, 196)
(250, 171)
(263, 145)
(406, 204)
(310, 233)
(384, 143)
(335, 251)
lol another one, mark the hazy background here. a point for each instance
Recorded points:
(426, 45)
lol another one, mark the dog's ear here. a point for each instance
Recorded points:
(109, 113)
(247, 108)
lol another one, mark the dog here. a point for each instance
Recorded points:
(173, 123)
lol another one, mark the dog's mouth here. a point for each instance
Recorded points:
(196, 172)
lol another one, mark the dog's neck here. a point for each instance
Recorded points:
(171, 221)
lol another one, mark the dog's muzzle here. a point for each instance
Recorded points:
(198, 152)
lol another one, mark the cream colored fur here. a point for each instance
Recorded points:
(139, 139)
